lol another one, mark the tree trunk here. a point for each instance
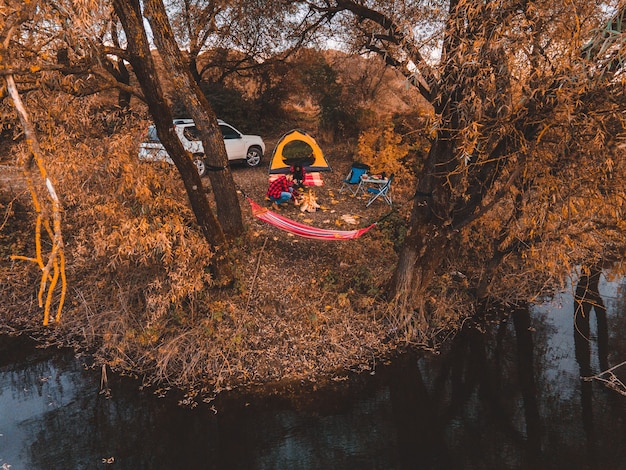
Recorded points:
(120, 72)
(193, 68)
(428, 239)
(224, 189)
(143, 65)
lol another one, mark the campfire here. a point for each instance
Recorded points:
(308, 202)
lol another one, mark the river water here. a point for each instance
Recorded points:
(508, 395)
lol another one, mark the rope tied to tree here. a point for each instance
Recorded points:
(214, 168)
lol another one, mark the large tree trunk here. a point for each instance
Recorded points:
(438, 215)
(420, 257)
(454, 181)
(129, 14)
(428, 240)
(225, 193)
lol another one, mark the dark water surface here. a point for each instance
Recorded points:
(508, 397)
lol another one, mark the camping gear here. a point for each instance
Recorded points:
(297, 147)
(381, 191)
(353, 182)
(303, 230)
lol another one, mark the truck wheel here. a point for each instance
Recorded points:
(254, 156)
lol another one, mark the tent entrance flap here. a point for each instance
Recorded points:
(297, 147)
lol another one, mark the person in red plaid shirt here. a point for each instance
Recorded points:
(281, 189)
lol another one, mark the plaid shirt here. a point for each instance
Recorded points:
(278, 186)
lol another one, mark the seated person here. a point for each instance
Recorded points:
(298, 172)
(281, 189)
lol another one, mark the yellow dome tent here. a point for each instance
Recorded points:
(297, 147)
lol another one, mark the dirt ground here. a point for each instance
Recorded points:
(345, 266)
(319, 304)
(339, 210)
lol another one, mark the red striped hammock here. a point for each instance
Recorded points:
(303, 230)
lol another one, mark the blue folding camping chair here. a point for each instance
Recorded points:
(353, 181)
(381, 191)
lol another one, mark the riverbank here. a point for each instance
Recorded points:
(302, 309)
(511, 389)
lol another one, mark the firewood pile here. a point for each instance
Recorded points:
(308, 202)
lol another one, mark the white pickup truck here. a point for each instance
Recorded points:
(249, 148)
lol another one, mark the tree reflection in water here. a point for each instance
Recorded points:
(465, 413)
(507, 395)
(586, 299)
(504, 394)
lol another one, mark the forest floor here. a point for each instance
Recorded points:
(303, 309)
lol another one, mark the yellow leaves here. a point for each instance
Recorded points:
(469, 143)
(149, 336)
(133, 218)
(382, 149)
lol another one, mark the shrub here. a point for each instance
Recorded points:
(382, 149)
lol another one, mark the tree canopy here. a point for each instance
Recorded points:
(527, 120)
